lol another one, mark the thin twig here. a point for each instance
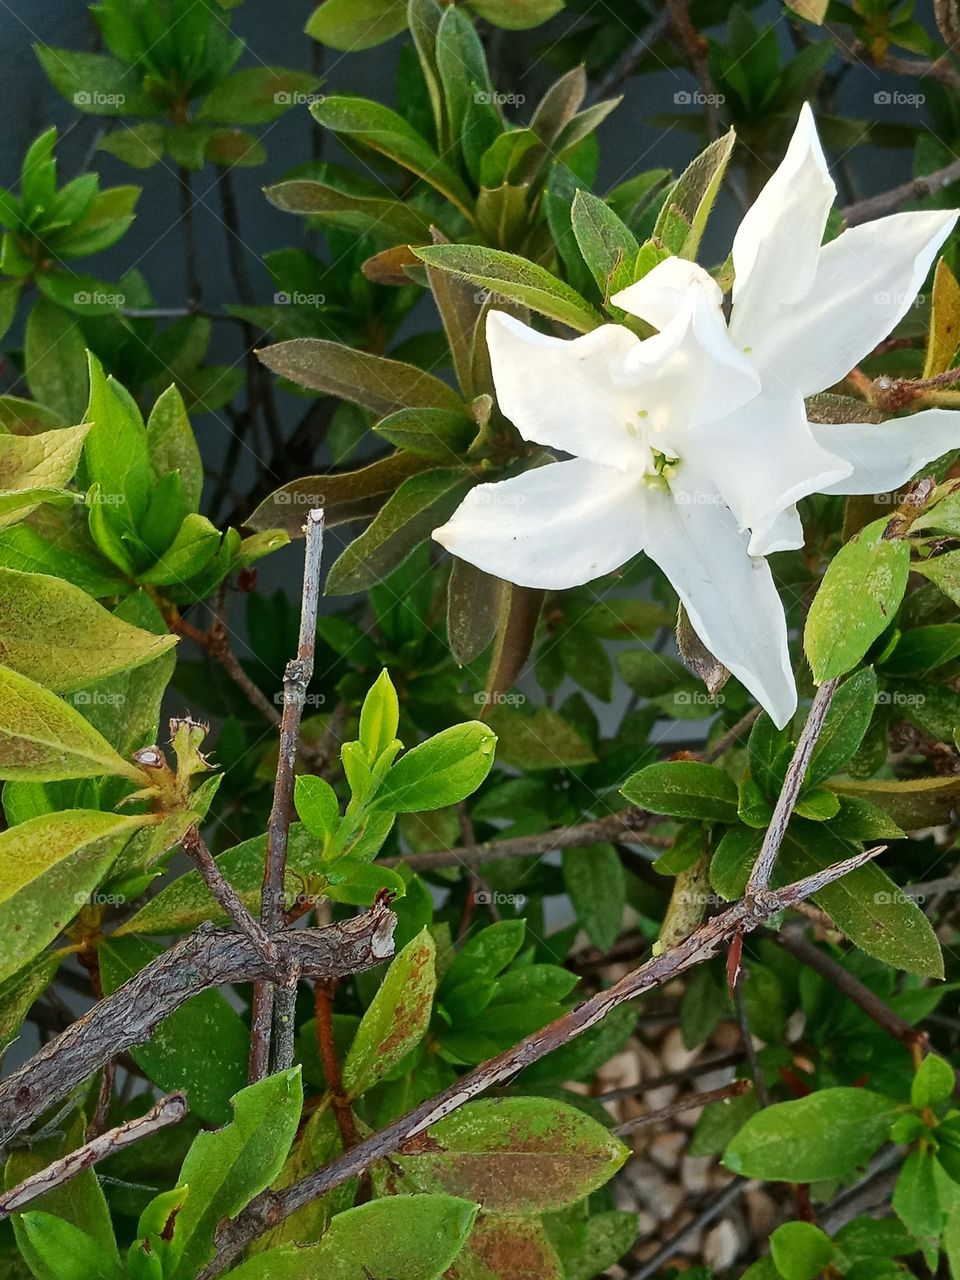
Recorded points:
(712, 1210)
(323, 1006)
(732, 736)
(632, 56)
(695, 1069)
(925, 185)
(296, 680)
(732, 1090)
(616, 826)
(792, 783)
(169, 1110)
(224, 892)
(270, 1208)
(696, 50)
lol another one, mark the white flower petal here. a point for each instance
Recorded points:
(777, 245)
(555, 527)
(561, 393)
(689, 373)
(662, 292)
(865, 282)
(763, 459)
(730, 596)
(785, 534)
(884, 455)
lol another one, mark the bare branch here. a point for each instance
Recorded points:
(792, 783)
(224, 892)
(169, 1110)
(270, 1208)
(732, 1090)
(618, 826)
(926, 185)
(208, 957)
(296, 680)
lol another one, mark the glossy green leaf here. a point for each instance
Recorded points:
(595, 880)
(824, 1135)
(441, 771)
(684, 789)
(857, 600)
(408, 1237)
(43, 462)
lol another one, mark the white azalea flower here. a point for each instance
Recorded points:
(693, 445)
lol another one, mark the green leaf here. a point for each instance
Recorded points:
(352, 25)
(375, 126)
(126, 707)
(19, 993)
(769, 754)
(462, 66)
(915, 1200)
(420, 505)
(438, 434)
(190, 552)
(484, 955)
(378, 216)
(595, 880)
(257, 95)
(42, 739)
(516, 1155)
(516, 15)
(95, 83)
(683, 217)
(63, 1251)
(379, 716)
(172, 445)
(141, 145)
(397, 1018)
(404, 1237)
(684, 789)
(443, 770)
(50, 866)
(824, 1135)
(516, 278)
(857, 600)
(54, 633)
(226, 1169)
(541, 740)
(201, 1048)
(46, 461)
(79, 1201)
(55, 360)
(800, 1250)
(843, 729)
(373, 382)
(115, 453)
(609, 248)
(866, 905)
(934, 1082)
(317, 805)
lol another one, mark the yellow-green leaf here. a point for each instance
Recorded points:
(42, 739)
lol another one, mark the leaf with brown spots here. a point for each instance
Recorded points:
(505, 1248)
(517, 1155)
(397, 1017)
